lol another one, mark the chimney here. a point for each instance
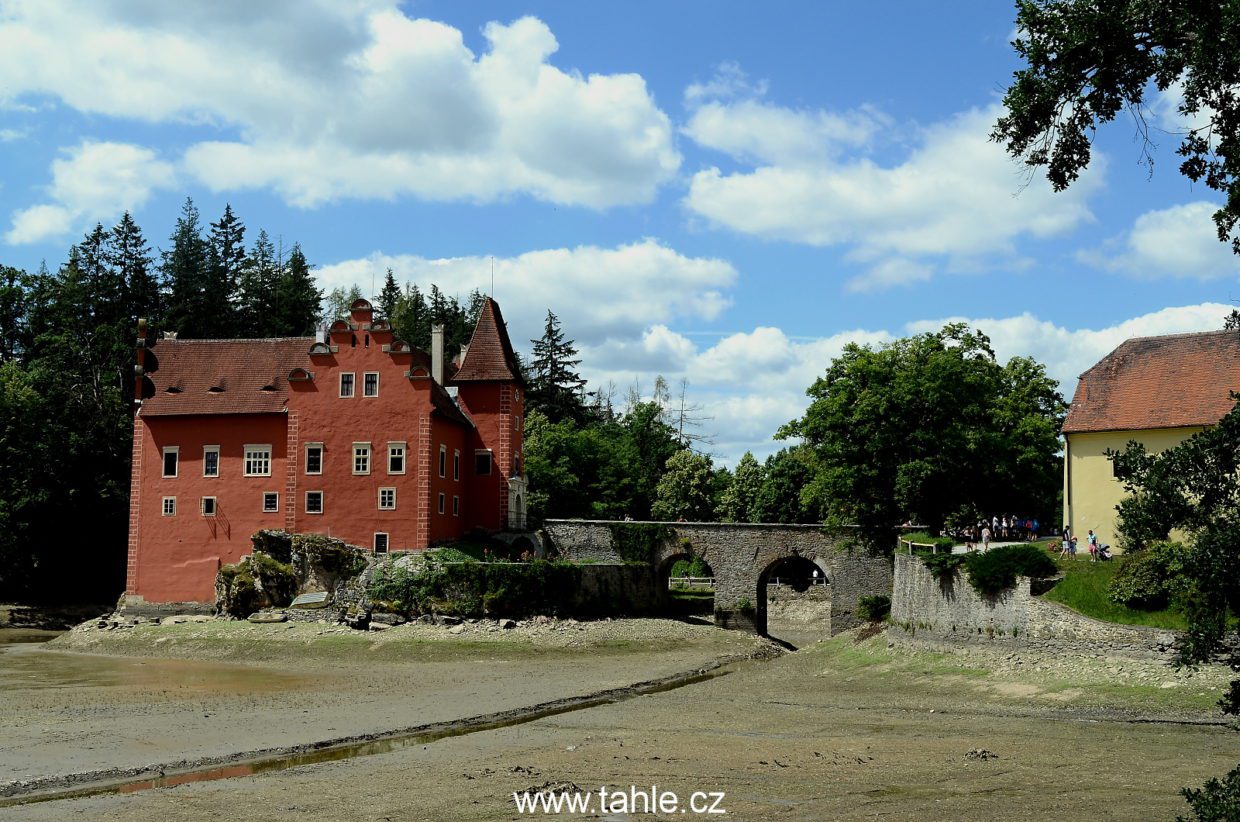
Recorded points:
(437, 353)
(320, 334)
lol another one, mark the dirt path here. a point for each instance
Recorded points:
(68, 712)
(837, 731)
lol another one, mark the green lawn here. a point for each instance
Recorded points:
(1084, 589)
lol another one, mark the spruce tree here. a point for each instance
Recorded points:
(226, 262)
(131, 259)
(185, 272)
(256, 289)
(555, 386)
(389, 296)
(298, 298)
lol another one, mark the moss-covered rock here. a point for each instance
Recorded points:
(322, 563)
(256, 582)
(276, 544)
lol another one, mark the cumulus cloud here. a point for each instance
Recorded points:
(1180, 241)
(323, 100)
(602, 294)
(93, 181)
(954, 199)
(751, 383)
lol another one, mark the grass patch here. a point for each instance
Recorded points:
(1084, 589)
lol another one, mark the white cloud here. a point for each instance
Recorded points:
(751, 383)
(1180, 241)
(601, 294)
(92, 181)
(954, 199)
(322, 100)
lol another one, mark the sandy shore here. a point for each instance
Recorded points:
(841, 730)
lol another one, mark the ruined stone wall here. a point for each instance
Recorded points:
(923, 607)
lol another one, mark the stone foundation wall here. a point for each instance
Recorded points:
(953, 612)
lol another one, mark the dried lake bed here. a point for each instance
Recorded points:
(845, 729)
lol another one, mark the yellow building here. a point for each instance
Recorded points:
(1157, 391)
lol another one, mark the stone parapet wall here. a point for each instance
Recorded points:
(953, 612)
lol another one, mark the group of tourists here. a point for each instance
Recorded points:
(1006, 528)
(1098, 552)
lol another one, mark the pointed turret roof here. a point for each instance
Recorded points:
(490, 357)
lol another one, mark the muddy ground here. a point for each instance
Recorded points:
(840, 730)
(188, 691)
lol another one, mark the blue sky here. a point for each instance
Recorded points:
(719, 192)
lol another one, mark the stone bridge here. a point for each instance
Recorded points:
(741, 557)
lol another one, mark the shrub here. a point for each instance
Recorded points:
(942, 566)
(1150, 579)
(923, 538)
(1216, 801)
(478, 588)
(997, 569)
(639, 541)
(692, 567)
(874, 608)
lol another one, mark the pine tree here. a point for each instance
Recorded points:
(389, 296)
(131, 259)
(185, 272)
(226, 262)
(555, 386)
(411, 318)
(298, 298)
(256, 290)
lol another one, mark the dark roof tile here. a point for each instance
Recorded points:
(490, 357)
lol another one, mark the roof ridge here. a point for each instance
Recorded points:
(232, 339)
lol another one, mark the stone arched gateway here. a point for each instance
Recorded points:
(740, 554)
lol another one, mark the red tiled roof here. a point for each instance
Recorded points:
(238, 370)
(490, 356)
(1159, 382)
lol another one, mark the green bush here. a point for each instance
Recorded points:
(692, 567)
(923, 538)
(997, 569)
(1152, 578)
(874, 608)
(1216, 801)
(639, 541)
(942, 567)
(510, 589)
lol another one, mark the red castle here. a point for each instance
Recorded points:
(355, 434)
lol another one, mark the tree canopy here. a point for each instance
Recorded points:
(1086, 62)
(930, 427)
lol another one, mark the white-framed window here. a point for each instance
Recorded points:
(387, 499)
(208, 506)
(443, 461)
(170, 506)
(482, 463)
(370, 384)
(456, 465)
(271, 502)
(314, 458)
(456, 506)
(442, 499)
(172, 457)
(314, 502)
(396, 457)
(346, 384)
(257, 460)
(381, 542)
(210, 460)
(361, 458)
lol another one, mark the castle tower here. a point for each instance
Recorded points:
(491, 391)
